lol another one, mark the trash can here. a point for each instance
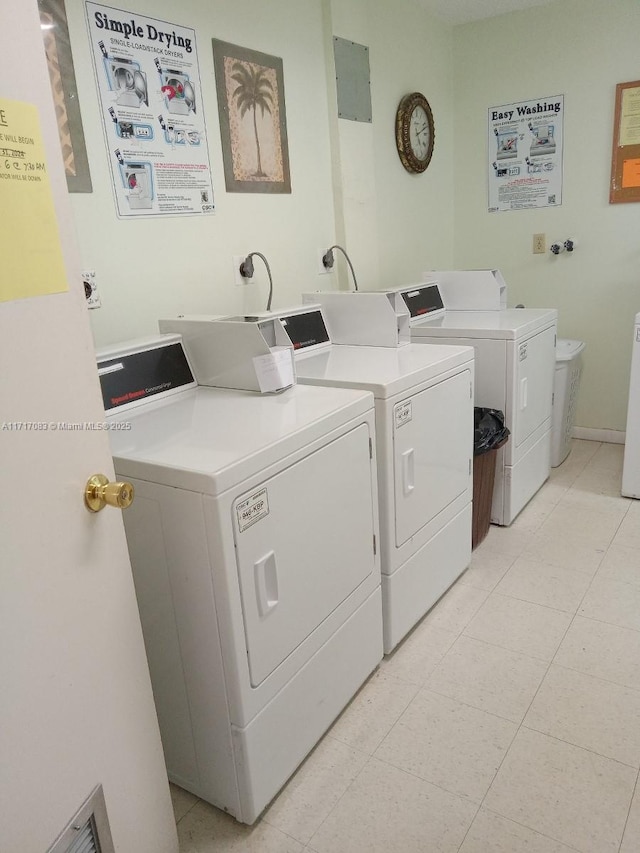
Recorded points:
(489, 434)
(565, 397)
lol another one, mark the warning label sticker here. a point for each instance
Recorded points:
(402, 413)
(252, 509)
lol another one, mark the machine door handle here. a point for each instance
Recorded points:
(408, 471)
(266, 578)
(523, 393)
(99, 492)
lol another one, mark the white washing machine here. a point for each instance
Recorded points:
(631, 465)
(252, 539)
(424, 428)
(514, 368)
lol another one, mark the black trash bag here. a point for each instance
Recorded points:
(489, 431)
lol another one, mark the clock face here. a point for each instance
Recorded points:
(419, 133)
(414, 132)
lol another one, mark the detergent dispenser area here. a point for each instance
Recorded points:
(254, 545)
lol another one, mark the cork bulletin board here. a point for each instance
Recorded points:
(625, 158)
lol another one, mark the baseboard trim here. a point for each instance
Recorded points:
(610, 436)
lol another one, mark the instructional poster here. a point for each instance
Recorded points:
(525, 154)
(150, 96)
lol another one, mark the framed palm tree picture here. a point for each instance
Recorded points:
(253, 125)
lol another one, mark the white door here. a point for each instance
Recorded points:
(309, 549)
(76, 708)
(432, 450)
(535, 372)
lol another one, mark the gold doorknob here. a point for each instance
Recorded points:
(99, 492)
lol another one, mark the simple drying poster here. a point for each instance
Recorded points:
(525, 154)
(151, 103)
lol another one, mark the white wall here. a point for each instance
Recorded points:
(581, 49)
(348, 185)
(396, 224)
(147, 269)
(412, 51)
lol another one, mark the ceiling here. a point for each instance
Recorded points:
(463, 11)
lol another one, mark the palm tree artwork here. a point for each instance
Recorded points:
(253, 92)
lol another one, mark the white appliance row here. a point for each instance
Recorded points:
(280, 543)
(424, 438)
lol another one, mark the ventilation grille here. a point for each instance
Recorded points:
(86, 840)
(88, 831)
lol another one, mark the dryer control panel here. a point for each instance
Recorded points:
(132, 375)
(306, 329)
(423, 299)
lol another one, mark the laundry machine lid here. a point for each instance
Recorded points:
(209, 439)
(385, 371)
(508, 324)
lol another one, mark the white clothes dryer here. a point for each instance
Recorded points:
(424, 428)
(138, 181)
(631, 465)
(515, 367)
(253, 543)
(127, 81)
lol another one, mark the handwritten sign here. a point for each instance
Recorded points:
(30, 253)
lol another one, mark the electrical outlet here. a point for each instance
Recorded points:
(239, 280)
(91, 289)
(539, 244)
(322, 270)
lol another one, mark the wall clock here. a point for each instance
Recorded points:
(415, 132)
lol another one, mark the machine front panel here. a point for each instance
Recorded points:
(432, 449)
(304, 543)
(490, 382)
(534, 375)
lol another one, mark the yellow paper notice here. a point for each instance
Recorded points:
(30, 254)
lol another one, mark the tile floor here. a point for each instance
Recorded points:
(508, 721)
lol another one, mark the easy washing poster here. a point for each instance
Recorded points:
(150, 97)
(525, 154)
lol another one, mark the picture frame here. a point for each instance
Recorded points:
(625, 156)
(253, 125)
(55, 35)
